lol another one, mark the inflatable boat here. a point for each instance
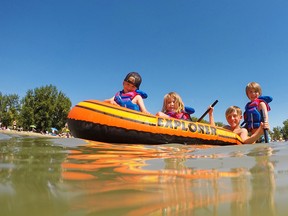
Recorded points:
(104, 122)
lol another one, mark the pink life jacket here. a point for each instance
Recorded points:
(125, 99)
(182, 115)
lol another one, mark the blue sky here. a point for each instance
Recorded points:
(202, 49)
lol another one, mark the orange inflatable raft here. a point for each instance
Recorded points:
(100, 121)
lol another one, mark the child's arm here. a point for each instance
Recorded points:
(259, 132)
(140, 102)
(162, 114)
(111, 101)
(244, 136)
(211, 117)
(252, 139)
(263, 107)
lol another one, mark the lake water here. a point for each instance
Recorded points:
(74, 177)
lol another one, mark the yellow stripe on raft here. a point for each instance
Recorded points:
(118, 111)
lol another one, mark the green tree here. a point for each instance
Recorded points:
(218, 124)
(277, 133)
(45, 107)
(9, 108)
(27, 110)
(285, 130)
(62, 108)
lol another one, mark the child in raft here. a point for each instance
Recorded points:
(234, 116)
(173, 106)
(130, 97)
(256, 111)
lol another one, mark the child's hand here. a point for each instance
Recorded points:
(146, 112)
(211, 109)
(111, 101)
(265, 125)
(114, 103)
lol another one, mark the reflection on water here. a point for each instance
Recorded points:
(59, 177)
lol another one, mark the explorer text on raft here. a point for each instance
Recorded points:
(186, 126)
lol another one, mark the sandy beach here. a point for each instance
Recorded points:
(27, 133)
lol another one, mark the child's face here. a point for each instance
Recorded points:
(233, 119)
(128, 87)
(171, 105)
(253, 94)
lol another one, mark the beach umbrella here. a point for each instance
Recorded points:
(54, 129)
(32, 126)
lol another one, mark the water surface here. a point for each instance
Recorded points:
(47, 176)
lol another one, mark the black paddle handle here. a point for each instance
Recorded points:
(215, 102)
(265, 129)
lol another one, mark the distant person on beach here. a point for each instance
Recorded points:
(130, 97)
(256, 111)
(234, 116)
(14, 125)
(65, 132)
(173, 106)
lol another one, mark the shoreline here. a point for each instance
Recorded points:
(28, 133)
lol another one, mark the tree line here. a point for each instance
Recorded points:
(46, 107)
(42, 108)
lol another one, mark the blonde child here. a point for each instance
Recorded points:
(256, 111)
(173, 106)
(130, 97)
(234, 116)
